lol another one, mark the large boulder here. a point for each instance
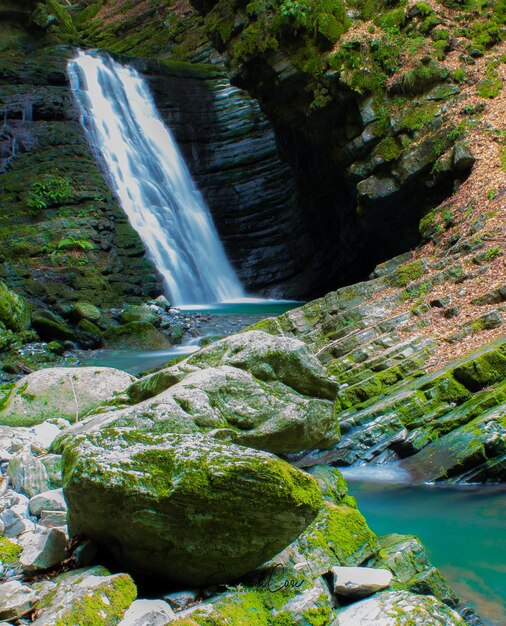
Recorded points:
(268, 358)
(251, 389)
(185, 507)
(14, 309)
(61, 392)
(231, 405)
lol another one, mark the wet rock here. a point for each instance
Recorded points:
(28, 475)
(359, 582)
(136, 336)
(85, 311)
(87, 596)
(148, 613)
(16, 600)
(405, 557)
(169, 494)
(45, 551)
(398, 608)
(61, 392)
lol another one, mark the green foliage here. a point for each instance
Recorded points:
(503, 158)
(491, 194)
(70, 244)
(48, 190)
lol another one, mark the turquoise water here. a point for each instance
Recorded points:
(462, 528)
(223, 319)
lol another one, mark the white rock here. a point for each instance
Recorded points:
(48, 501)
(54, 519)
(44, 434)
(27, 473)
(359, 581)
(4, 455)
(16, 600)
(398, 608)
(148, 613)
(46, 551)
(15, 522)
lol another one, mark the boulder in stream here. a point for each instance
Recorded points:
(186, 507)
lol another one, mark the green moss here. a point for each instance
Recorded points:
(9, 551)
(490, 86)
(407, 274)
(104, 606)
(418, 116)
(318, 616)
(388, 149)
(483, 370)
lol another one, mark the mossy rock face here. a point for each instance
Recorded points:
(399, 608)
(135, 336)
(60, 392)
(187, 508)
(14, 309)
(87, 596)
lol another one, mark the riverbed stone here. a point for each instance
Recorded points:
(170, 494)
(49, 500)
(267, 357)
(44, 551)
(148, 613)
(28, 475)
(61, 392)
(52, 463)
(359, 582)
(16, 600)
(398, 608)
(87, 596)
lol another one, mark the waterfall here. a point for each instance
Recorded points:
(147, 173)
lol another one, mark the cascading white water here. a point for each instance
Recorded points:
(149, 176)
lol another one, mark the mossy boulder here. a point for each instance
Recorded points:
(9, 551)
(85, 311)
(51, 326)
(14, 309)
(60, 392)
(186, 507)
(231, 405)
(88, 596)
(135, 336)
(268, 358)
(139, 313)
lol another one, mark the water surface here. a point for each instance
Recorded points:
(462, 527)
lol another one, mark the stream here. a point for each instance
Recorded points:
(462, 527)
